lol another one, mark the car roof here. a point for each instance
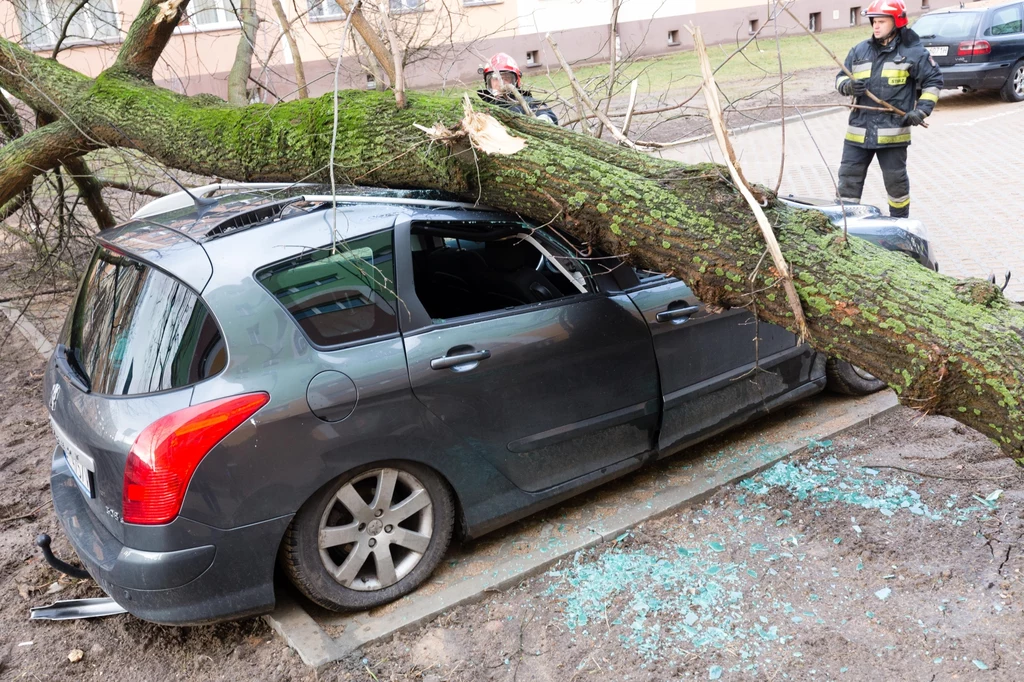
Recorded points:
(974, 6)
(261, 223)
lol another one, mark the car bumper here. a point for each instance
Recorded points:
(975, 76)
(229, 574)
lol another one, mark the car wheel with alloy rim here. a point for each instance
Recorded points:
(1013, 89)
(369, 537)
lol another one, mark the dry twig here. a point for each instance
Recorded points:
(718, 121)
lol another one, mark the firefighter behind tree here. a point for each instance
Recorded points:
(501, 76)
(895, 67)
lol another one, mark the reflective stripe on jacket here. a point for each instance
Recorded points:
(903, 74)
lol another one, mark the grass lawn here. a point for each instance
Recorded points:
(669, 72)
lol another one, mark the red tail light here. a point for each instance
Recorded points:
(973, 47)
(167, 452)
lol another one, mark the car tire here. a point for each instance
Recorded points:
(1013, 88)
(345, 524)
(842, 377)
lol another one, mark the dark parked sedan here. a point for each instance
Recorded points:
(978, 46)
(235, 388)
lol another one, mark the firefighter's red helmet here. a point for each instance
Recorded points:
(502, 62)
(888, 8)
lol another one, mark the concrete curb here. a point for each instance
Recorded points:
(39, 342)
(709, 472)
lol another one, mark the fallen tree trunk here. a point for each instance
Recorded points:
(948, 347)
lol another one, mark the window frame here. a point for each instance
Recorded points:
(406, 6)
(49, 27)
(992, 19)
(317, 18)
(344, 344)
(224, 9)
(551, 242)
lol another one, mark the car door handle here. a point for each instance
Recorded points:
(677, 314)
(451, 361)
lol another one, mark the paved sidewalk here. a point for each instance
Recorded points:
(965, 175)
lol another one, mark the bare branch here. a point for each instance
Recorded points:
(89, 189)
(289, 36)
(718, 121)
(64, 27)
(238, 77)
(582, 93)
(397, 54)
(369, 35)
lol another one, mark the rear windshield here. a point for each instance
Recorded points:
(948, 26)
(136, 330)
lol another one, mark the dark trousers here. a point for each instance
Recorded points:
(892, 161)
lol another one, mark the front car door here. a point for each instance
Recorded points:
(547, 382)
(717, 368)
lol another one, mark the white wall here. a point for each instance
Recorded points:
(542, 16)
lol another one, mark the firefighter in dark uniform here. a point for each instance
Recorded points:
(895, 67)
(501, 75)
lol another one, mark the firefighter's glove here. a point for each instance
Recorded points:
(913, 118)
(852, 88)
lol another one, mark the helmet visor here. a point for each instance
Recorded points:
(500, 81)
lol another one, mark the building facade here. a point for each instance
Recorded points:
(449, 39)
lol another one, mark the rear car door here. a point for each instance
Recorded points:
(717, 368)
(547, 382)
(1004, 32)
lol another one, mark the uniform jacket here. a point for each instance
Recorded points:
(903, 74)
(539, 109)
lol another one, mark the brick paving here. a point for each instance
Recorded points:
(967, 184)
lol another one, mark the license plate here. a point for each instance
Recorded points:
(938, 50)
(82, 465)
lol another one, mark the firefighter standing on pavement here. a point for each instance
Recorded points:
(895, 67)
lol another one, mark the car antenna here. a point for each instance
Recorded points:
(202, 204)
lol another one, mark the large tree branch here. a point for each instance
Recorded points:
(148, 36)
(372, 39)
(37, 152)
(43, 84)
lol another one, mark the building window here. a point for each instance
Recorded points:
(673, 37)
(854, 16)
(754, 26)
(206, 13)
(533, 58)
(405, 5)
(371, 82)
(41, 22)
(814, 22)
(321, 10)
